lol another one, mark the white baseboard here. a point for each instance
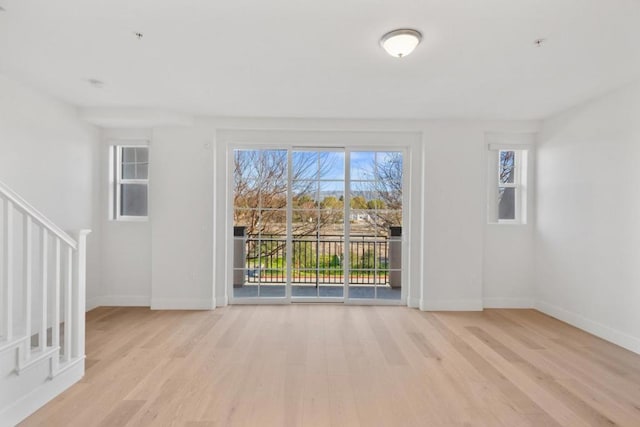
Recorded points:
(222, 302)
(92, 302)
(413, 302)
(508, 302)
(154, 303)
(118, 301)
(451, 305)
(607, 333)
(183, 303)
(37, 398)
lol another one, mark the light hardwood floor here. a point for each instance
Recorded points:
(308, 365)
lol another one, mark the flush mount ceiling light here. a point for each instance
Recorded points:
(400, 43)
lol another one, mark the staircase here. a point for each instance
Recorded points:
(42, 308)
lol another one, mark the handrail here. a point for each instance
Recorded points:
(26, 208)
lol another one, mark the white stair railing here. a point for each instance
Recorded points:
(42, 310)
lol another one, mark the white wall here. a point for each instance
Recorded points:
(450, 223)
(125, 245)
(464, 255)
(50, 158)
(454, 216)
(508, 273)
(181, 214)
(168, 262)
(588, 217)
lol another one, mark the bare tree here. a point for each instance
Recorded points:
(261, 190)
(385, 204)
(506, 196)
(261, 193)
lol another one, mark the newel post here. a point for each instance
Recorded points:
(79, 293)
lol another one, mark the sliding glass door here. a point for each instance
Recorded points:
(317, 201)
(375, 232)
(316, 225)
(260, 200)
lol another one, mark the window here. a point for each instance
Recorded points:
(507, 185)
(131, 171)
(507, 193)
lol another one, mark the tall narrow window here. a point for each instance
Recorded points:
(507, 185)
(131, 182)
(507, 192)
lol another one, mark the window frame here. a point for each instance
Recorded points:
(118, 181)
(516, 185)
(520, 183)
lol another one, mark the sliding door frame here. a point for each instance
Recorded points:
(348, 150)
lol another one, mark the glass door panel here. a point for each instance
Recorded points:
(317, 224)
(300, 232)
(260, 223)
(375, 248)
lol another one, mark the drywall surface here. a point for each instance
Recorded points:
(181, 218)
(50, 158)
(190, 229)
(588, 210)
(508, 273)
(126, 245)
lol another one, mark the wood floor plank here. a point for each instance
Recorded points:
(524, 403)
(546, 380)
(514, 329)
(122, 413)
(336, 365)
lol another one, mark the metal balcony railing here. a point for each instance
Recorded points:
(318, 259)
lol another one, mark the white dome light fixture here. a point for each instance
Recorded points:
(400, 43)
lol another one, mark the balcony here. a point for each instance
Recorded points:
(318, 266)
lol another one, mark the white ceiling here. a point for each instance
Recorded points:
(321, 58)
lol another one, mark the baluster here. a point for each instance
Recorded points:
(79, 302)
(7, 331)
(55, 328)
(8, 270)
(67, 306)
(26, 259)
(43, 326)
